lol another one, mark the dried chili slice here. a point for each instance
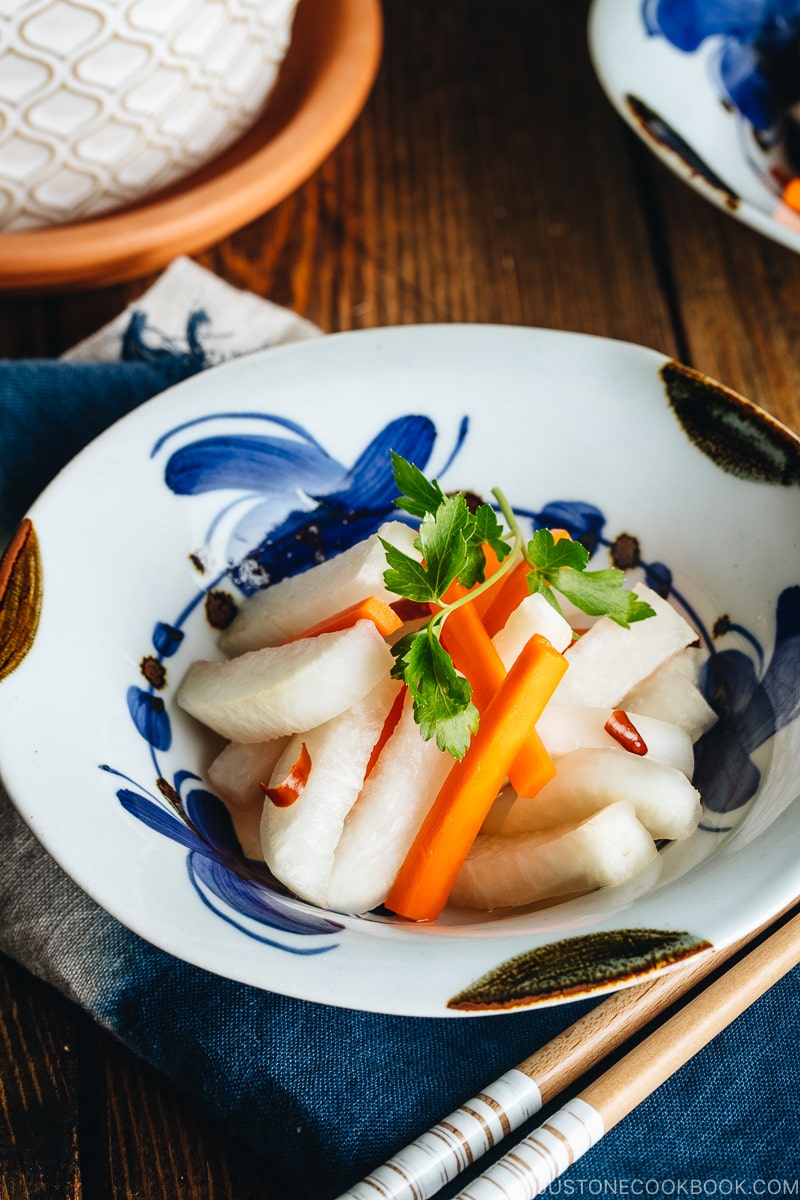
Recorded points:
(285, 794)
(622, 730)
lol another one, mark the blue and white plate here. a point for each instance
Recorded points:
(707, 88)
(126, 567)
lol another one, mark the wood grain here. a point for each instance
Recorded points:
(158, 1143)
(458, 195)
(737, 297)
(39, 1091)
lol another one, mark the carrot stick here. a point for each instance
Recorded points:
(392, 717)
(791, 194)
(510, 593)
(473, 653)
(429, 871)
(369, 609)
(512, 590)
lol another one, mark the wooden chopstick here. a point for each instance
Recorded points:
(546, 1153)
(419, 1170)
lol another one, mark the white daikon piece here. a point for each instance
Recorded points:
(387, 816)
(283, 610)
(662, 797)
(608, 848)
(567, 727)
(247, 827)
(671, 693)
(268, 693)
(237, 770)
(299, 841)
(609, 660)
(235, 775)
(532, 615)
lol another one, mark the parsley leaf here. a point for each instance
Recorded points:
(486, 531)
(451, 545)
(422, 496)
(560, 566)
(406, 576)
(444, 543)
(442, 698)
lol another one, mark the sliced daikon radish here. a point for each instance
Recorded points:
(247, 827)
(609, 660)
(587, 780)
(282, 611)
(567, 727)
(532, 615)
(671, 692)
(285, 689)
(386, 818)
(237, 770)
(691, 662)
(299, 841)
(608, 848)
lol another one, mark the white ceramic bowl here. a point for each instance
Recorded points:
(100, 618)
(103, 102)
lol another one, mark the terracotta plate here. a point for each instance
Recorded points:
(323, 85)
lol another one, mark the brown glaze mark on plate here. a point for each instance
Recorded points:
(667, 138)
(577, 966)
(20, 597)
(733, 432)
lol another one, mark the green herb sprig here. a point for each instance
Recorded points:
(451, 543)
(560, 566)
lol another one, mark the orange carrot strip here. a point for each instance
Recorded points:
(392, 717)
(511, 592)
(791, 194)
(369, 609)
(465, 639)
(429, 871)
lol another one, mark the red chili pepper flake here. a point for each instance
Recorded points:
(287, 792)
(623, 730)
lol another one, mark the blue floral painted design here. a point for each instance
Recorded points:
(196, 819)
(752, 699)
(752, 703)
(755, 54)
(268, 472)
(344, 505)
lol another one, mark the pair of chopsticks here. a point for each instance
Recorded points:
(441, 1154)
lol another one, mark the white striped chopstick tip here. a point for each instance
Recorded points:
(438, 1156)
(539, 1159)
(446, 1150)
(542, 1156)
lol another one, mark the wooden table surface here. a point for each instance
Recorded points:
(488, 179)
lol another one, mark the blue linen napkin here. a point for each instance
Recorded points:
(326, 1094)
